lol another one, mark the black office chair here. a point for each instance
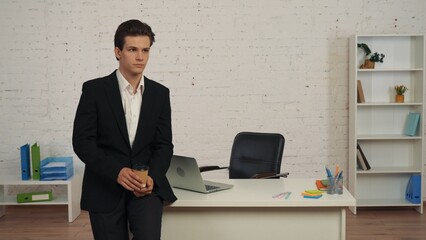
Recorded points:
(254, 155)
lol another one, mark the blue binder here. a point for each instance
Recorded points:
(25, 162)
(413, 190)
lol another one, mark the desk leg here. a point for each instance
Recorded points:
(2, 209)
(343, 224)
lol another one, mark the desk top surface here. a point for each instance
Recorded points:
(260, 192)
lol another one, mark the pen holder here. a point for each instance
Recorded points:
(335, 185)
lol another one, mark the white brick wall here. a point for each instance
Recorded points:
(231, 65)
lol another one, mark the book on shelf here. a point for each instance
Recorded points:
(362, 160)
(360, 92)
(361, 164)
(412, 124)
(414, 189)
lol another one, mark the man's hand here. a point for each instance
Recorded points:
(131, 181)
(145, 190)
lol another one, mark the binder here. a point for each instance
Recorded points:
(25, 162)
(413, 190)
(360, 92)
(361, 163)
(362, 160)
(35, 160)
(412, 124)
(34, 197)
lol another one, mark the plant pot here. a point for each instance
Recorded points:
(367, 64)
(399, 98)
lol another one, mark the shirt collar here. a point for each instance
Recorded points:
(124, 85)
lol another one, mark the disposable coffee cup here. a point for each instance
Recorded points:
(142, 171)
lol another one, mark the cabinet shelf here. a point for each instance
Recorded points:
(378, 124)
(16, 180)
(387, 137)
(57, 200)
(390, 104)
(390, 170)
(391, 70)
(71, 198)
(384, 202)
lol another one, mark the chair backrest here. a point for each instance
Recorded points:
(254, 153)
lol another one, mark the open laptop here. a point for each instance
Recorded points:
(184, 173)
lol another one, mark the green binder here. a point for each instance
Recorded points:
(35, 160)
(34, 197)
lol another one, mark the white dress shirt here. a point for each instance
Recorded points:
(132, 103)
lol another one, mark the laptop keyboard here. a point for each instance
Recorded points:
(210, 187)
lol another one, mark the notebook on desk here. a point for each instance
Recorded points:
(184, 173)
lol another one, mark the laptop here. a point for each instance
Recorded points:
(184, 173)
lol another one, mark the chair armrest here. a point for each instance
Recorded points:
(269, 175)
(210, 168)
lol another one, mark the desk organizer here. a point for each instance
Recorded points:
(56, 168)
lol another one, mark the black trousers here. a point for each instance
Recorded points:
(142, 216)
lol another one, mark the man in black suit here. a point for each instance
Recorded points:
(123, 119)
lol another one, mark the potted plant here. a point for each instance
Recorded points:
(400, 90)
(370, 58)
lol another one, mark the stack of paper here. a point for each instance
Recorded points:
(312, 193)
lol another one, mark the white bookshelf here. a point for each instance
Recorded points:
(378, 123)
(71, 198)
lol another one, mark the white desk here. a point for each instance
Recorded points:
(248, 211)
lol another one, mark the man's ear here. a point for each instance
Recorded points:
(117, 53)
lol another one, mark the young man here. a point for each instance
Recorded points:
(121, 120)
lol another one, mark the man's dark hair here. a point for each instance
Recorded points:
(132, 28)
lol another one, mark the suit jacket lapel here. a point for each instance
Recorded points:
(114, 98)
(146, 109)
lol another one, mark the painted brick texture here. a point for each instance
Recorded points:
(231, 66)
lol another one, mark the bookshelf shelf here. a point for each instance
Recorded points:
(57, 200)
(390, 104)
(383, 202)
(387, 137)
(389, 170)
(71, 198)
(391, 70)
(378, 124)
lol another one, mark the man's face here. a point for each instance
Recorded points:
(134, 56)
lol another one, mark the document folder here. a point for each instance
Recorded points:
(35, 160)
(56, 168)
(413, 190)
(34, 197)
(25, 162)
(412, 124)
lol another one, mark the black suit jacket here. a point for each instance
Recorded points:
(101, 141)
